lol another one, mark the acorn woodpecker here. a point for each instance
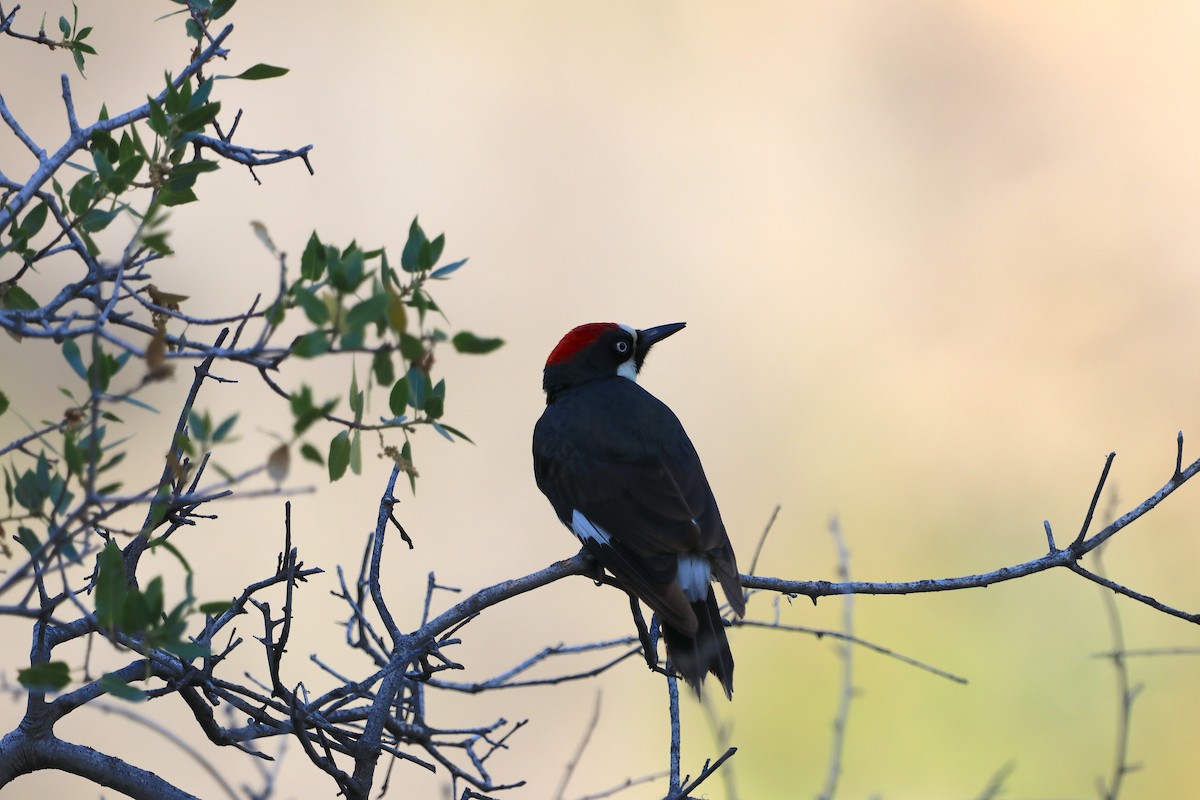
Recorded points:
(623, 476)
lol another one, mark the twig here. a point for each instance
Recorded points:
(821, 633)
(1067, 557)
(569, 770)
(721, 736)
(1087, 520)
(1126, 694)
(673, 782)
(846, 654)
(996, 785)
(762, 538)
(620, 787)
(170, 736)
(707, 772)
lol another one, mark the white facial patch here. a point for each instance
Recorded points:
(586, 531)
(694, 575)
(628, 369)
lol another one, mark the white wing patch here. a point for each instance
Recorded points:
(583, 528)
(694, 575)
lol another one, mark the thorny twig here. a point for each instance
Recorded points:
(1126, 693)
(846, 655)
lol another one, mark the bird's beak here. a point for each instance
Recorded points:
(647, 337)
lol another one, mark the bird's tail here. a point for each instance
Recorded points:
(705, 651)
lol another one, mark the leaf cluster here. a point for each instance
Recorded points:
(356, 301)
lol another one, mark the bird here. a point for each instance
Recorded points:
(622, 475)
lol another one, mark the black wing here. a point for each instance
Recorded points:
(622, 459)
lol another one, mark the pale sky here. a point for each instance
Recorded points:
(936, 262)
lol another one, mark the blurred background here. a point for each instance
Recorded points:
(936, 261)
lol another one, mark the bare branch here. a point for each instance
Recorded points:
(846, 655)
(588, 730)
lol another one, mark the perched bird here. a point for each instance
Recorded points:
(622, 475)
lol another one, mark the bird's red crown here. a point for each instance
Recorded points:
(576, 340)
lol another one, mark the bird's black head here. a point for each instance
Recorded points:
(600, 350)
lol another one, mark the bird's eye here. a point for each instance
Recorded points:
(622, 347)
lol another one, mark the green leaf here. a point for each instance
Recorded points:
(215, 608)
(28, 539)
(372, 310)
(310, 453)
(185, 174)
(103, 142)
(303, 409)
(34, 220)
(466, 342)
(314, 308)
(411, 347)
(224, 428)
(82, 194)
(70, 351)
(48, 677)
(352, 340)
(64, 26)
(431, 252)
(131, 165)
(110, 683)
(398, 399)
(442, 431)
(423, 303)
(261, 72)
(312, 260)
(104, 366)
(200, 425)
(356, 453)
(135, 612)
(196, 120)
(188, 651)
(435, 407)
(410, 256)
(157, 119)
(158, 243)
(444, 272)
(406, 454)
(158, 510)
(443, 426)
(154, 599)
(202, 94)
(220, 8)
(418, 387)
(104, 168)
(381, 365)
(3, 403)
(111, 586)
(348, 272)
(18, 299)
(97, 220)
(73, 453)
(356, 396)
(112, 462)
(29, 493)
(436, 402)
(310, 345)
(176, 197)
(339, 455)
